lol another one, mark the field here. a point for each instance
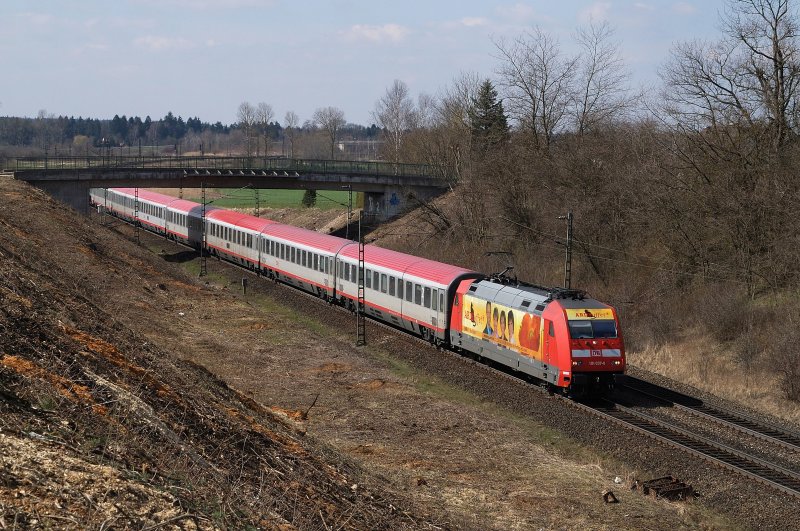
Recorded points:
(246, 198)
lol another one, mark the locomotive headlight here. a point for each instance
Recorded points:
(617, 362)
(575, 363)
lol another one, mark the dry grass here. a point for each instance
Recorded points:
(701, 362)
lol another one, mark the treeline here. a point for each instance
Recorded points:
(47, 134)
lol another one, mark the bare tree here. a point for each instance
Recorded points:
(457, 100)
(538, 81)
(246, 115)
(264, 115)
(330, 120)
(291, 122)
(747, 82)
(602, 82)
(394, 113)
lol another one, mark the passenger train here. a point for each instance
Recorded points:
(563, 338)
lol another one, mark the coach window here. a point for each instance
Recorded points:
(375, 280)
(353, 274)
(427, 297)
(368, 282)
(408, 290)
(391, 286)
(383, 282)
(441, 300)
(418, 294)
(303, 259)
(316, 262)
(293, 257)
(399, 288)
(434, 306)
(250, 241)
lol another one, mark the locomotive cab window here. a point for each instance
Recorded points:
(600, 329)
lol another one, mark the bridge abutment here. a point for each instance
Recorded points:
(74, 194)
(393, 201)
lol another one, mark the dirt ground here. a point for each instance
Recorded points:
(436, 443)
(403, 447)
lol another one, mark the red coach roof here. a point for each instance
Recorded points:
(242, 220)
(406, 263)
(153, 197)
(323, 242)
(181, 205)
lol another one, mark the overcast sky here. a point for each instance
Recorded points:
(204, 57)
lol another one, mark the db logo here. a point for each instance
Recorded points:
(595, 353)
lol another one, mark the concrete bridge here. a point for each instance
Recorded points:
(387, 187)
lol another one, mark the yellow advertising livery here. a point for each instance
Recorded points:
(562, 337)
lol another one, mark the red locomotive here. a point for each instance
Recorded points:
(561, 337)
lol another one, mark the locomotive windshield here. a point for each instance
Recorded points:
(596, 329)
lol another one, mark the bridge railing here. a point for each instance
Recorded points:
(228, 163)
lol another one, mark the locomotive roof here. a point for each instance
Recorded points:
(514, 293)
(405, 263)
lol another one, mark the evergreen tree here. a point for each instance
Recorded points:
(309, 198)
(488, 120)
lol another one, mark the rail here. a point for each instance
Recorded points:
(746, 424)
(720, 454)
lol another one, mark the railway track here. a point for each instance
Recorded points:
(745, 424)
(755, 468)
(698, 445)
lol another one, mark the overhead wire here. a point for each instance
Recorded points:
(557, 241)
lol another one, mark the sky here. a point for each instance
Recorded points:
(204, 57)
